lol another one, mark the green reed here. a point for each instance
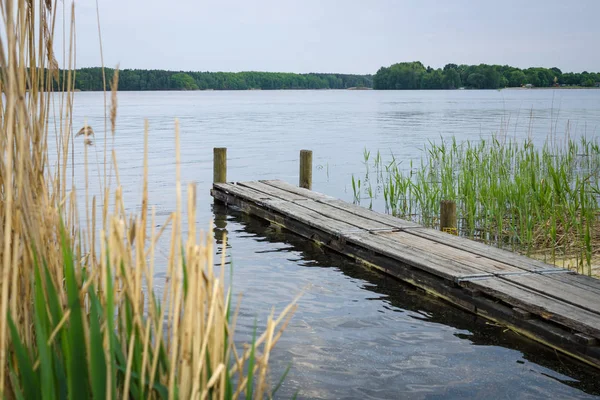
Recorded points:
(539, 201)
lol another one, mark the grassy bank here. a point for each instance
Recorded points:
(539, 201)
(79, 316)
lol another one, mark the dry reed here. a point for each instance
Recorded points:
(79, 314)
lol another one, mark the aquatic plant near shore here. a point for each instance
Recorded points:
(79, 314)
(539, 201)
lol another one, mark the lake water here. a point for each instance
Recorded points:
(357, 334)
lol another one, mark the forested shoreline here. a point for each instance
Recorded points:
(414, 76)
(400, 76)
(90, 79)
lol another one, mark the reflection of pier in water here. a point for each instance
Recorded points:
(406, 297)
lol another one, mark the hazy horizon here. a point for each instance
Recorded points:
(351, 37)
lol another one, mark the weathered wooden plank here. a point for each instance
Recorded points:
(246, 193)
(549, 333)
(494, 253)
(288, 209)
(266, 213)
(273, 191)
(309, 194)
(429, 283)
(425, 246)
(583, 282)
(561, 290)
(546, 307)
(375, 216)
(431, 263)
(322, 208)
(438, 266)
(314, 219)
(342, 205)
(342, 215)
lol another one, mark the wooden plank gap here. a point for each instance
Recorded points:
(554, 271)
(522, 314)
(474, 277)
(501, 274)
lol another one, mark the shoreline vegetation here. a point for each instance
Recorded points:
(401, 76)
(90, 79)
(543, 202)
(82, 313)
(414, 76)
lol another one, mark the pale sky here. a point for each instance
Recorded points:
(346, 36)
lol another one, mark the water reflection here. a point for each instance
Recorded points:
(359, 334)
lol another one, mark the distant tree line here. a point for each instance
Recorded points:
(414, 75)
(138, 79)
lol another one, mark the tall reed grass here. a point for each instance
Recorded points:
(79, 316)
(539, 201)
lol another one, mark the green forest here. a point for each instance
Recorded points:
(137, 79)
(414, 75)
(405, 75)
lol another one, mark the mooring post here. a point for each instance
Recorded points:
(448, 217)
(220, 165)
(306, 169)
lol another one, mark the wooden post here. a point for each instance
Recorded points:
(220, 165)
(448, 217)
(306, 169)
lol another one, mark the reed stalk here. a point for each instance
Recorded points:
(539, 201)
(79, 315)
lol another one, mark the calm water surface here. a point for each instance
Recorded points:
(356, 334)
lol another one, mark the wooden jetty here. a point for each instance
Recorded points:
(553, 306)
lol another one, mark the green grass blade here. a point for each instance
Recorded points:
(61, 377)
(185, 272)
(14, 381)
(29, 381)
(52, 297)
(97, 358)
(77, 371)
(42, 323)
(162, 390)
(285, 373)
(46, 364)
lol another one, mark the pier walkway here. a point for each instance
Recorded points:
(554, 306)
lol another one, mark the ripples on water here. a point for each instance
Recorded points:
(356, 334)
